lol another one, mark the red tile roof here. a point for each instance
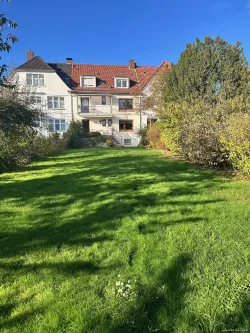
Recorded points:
(139, 77)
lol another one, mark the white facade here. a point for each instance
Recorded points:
(109, 120)
(101, 97)
(53, 90)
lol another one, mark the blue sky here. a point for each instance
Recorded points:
(112, 32)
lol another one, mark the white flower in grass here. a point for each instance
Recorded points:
(118, 283)
(119, 290)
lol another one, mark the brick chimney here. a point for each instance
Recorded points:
(30, 55)
(132, 64)
(69, 61)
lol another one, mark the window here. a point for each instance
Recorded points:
(85, 105)
(125, 125)
(88, 81)
(127, 142)
(36, 100)
(57, 125)
(38, 123)
(151, 121)
(101, 82)
(103, 122)
(35, 79)
(125, 104)
(56, 102)
(109, 122)
(121, 82)
(103, 100)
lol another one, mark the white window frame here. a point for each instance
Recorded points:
(52, 101)
(35, 100)
(88, 77)
(36, 79)
(127, 142)
(122, 80)
(54, 122)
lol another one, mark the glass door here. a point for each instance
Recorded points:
(85, 105)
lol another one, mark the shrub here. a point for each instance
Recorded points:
(170, 126)
(109, 141)
(74, 134)
(205, 134)
(199, 138)
(46, 146)
(77, 138)
(143, 133)
(19, 150)
(235, 138)
(154, 136)
(92, 134)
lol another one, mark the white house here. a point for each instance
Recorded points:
(104, 98)
(52, 92)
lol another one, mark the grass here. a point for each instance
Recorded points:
(75, 227)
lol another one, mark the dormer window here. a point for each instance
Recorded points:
(121, 82)
(88, 81)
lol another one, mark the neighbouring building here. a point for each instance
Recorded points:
(104, 98)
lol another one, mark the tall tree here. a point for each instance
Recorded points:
(6, 39)
(210, 71)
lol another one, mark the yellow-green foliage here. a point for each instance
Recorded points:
(236, 140)
(154, 136)
(218, 135)
(172, 115)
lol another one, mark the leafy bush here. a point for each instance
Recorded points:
(47, 146)
(92, 134)
(174, 117)
(154, 136)
(199, 139)
(143, 133)
(76, 137)
(217, 136)
(19, 150)
(109, 141)
(74, 134)
(235, 139)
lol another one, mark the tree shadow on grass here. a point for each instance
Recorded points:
(237, 321)
(102, 195)
(11, 322)
(86, 206)
(159, 306)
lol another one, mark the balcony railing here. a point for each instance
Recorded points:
(96, 110)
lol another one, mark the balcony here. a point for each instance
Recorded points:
(97, 111)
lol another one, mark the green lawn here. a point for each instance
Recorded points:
(123, 240)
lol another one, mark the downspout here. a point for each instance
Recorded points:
(139, 97)
(72, 111)
(140, 112)
(112, 129)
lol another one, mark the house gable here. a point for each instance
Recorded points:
(37, 63)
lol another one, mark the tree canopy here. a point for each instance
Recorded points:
(209, 70)
(6, 39)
